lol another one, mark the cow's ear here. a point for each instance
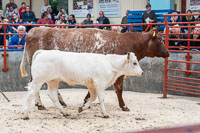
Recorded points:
(128, 56)
(155, 31)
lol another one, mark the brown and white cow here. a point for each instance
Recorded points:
(95, 41)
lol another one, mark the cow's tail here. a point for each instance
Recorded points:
(22, 65)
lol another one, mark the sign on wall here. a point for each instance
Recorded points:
(82, 7)
(111, 8)
(194, 5)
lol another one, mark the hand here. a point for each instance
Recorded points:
(151, 21)
(20, 47)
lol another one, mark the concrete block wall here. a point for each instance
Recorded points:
(150, 82)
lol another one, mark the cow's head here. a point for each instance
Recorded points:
(156, 45)
(132, 67)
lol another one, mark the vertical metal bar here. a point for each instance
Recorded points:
(188, 56)
(4, 54)
(166, 59)
(130, 28)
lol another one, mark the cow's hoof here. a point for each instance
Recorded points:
(125, 109)
(63, 104)
(105, 116)
(25, 118)
(80, 109)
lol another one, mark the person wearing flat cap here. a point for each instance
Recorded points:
(148, 17)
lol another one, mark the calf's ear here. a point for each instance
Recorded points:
(155, 31)
(128, 57)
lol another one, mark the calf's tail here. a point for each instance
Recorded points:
(22, 65)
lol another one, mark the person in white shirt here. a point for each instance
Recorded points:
(46, 5)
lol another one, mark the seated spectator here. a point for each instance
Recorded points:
(22, 9)
(8, 27)
(95, 23)
(44, 19)
(50, 14)
(195, 43)
(115, 29)
(176, 31)
(11, 3)
(103, 20)
(88, 21)
(62, 20)
(28, 16)
(18, 40)
(9, 13)
(16, 20)
(62, 10)
(148, 17)
(72, 21)
(46, 5)
(2, 37)
(1, 17)
(188, 19)
(174, 19)
(124, 21)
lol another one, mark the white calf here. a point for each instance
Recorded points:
(96, 71)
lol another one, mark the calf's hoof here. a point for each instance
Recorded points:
(25, 118)
(80, 109)
(40, 107)
(125, 109)
(65, 115)
(105, 116)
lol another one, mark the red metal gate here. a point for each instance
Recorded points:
(177, 83)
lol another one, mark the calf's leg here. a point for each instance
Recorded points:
(38, 102)
(52, 91)
(33, 89)
(118, 85)
(100, 94)
(61, 99)
(91, 99)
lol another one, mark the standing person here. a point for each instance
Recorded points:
(11, 3)
(148, 17)
(46, 5)
(72, 21)
(18, 40)
(22, 9)
(103, 20)
(44, 19)
(88, 21)
(124, 21)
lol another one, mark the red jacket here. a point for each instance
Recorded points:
(43, 21)
(21, 10)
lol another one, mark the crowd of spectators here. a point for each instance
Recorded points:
(26, 16)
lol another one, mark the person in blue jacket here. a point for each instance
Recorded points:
(18, 40)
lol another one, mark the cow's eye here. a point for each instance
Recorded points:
(135, 63)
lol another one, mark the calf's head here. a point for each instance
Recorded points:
(156, 45)
(132, 67)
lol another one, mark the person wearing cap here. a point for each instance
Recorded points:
(148, 17)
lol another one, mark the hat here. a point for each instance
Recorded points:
(148, 5)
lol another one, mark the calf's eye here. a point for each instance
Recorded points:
(134, 63)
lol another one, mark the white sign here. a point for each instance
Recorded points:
(111, 8)
(82, 7)
(194, 5)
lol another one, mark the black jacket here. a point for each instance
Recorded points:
(105, 21)
(151, 15)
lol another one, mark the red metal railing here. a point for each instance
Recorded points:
(180, 83)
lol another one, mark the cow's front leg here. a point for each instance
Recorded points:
(38, 102)
(61, 99)
(118, 85)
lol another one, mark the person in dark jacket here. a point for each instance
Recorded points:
(176, 30)
(72, 21)
(188, 19)
(103, 20)
(88, 21)
(2, 36)
(148, 17)
(28, 16)
(195, 43)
